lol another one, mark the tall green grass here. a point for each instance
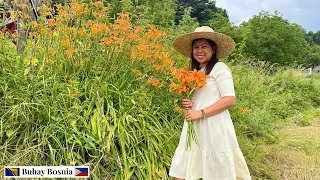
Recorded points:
(274, 97)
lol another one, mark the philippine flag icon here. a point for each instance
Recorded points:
(82, 172)
(9, 172)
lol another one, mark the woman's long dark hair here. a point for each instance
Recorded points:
(194, 64)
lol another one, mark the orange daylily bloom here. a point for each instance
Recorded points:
(134, 54)
(73, 95)
(97, 4)
(65, 42)
(89, 23)
(23, 7)
(155, 82)
(154, 33)
(62, 11)
(52, 51)
(77, 7)
(138, 29)
(167, 62)
(142, 47)
(97, 27)
(118, 40)
(51, 22)
(123, 24)
(132, 36)
(69, 53)
(53, 33)
(159, 47)
(106, 41)
(34, 33)
(34, 23)
(137, 72)
(144, 41)
(123, 15)
(243, 110)
(115, 33)
(25, 15)
(182, 88)
(157, 67)
(179, 109)
(172, 86)
(187, 80)
(81, 32)
(145, 55)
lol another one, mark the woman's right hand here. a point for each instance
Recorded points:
(186, 103)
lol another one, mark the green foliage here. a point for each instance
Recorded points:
(186, 25)
(221, 24)
(271, 38)
(305, 118)
(312, 59)
(160, 13)
(313, 38)
(266, 97)
(201, 9)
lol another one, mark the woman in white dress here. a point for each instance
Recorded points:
(217, 155)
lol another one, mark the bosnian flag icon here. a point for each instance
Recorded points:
(82, 172)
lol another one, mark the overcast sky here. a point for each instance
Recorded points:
(303, 12)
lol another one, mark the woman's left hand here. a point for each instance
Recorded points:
(192, 115)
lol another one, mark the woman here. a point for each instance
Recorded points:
(217, 155)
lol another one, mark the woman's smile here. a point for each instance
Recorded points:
(200, 56)
(202, 51)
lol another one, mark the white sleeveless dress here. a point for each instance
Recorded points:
(218, 156)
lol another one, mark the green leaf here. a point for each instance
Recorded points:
(26, 71)
(9, 132)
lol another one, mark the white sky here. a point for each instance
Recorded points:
(303, 12)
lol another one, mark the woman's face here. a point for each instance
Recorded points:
(202, 51)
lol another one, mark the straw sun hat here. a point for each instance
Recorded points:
(224, 44)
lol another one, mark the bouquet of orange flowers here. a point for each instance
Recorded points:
(185, 83)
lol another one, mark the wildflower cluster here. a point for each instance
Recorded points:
(78, 36)
(187, 81)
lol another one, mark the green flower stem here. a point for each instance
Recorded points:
(191, 133)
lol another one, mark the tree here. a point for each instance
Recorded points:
(222, 24)
(201, 9)
(187, 23)
(313, 38)
(270, 37)
(316, 37)
(313, 56)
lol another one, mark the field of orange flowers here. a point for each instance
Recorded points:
(95, 90)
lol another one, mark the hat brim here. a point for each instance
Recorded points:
(224, 44)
